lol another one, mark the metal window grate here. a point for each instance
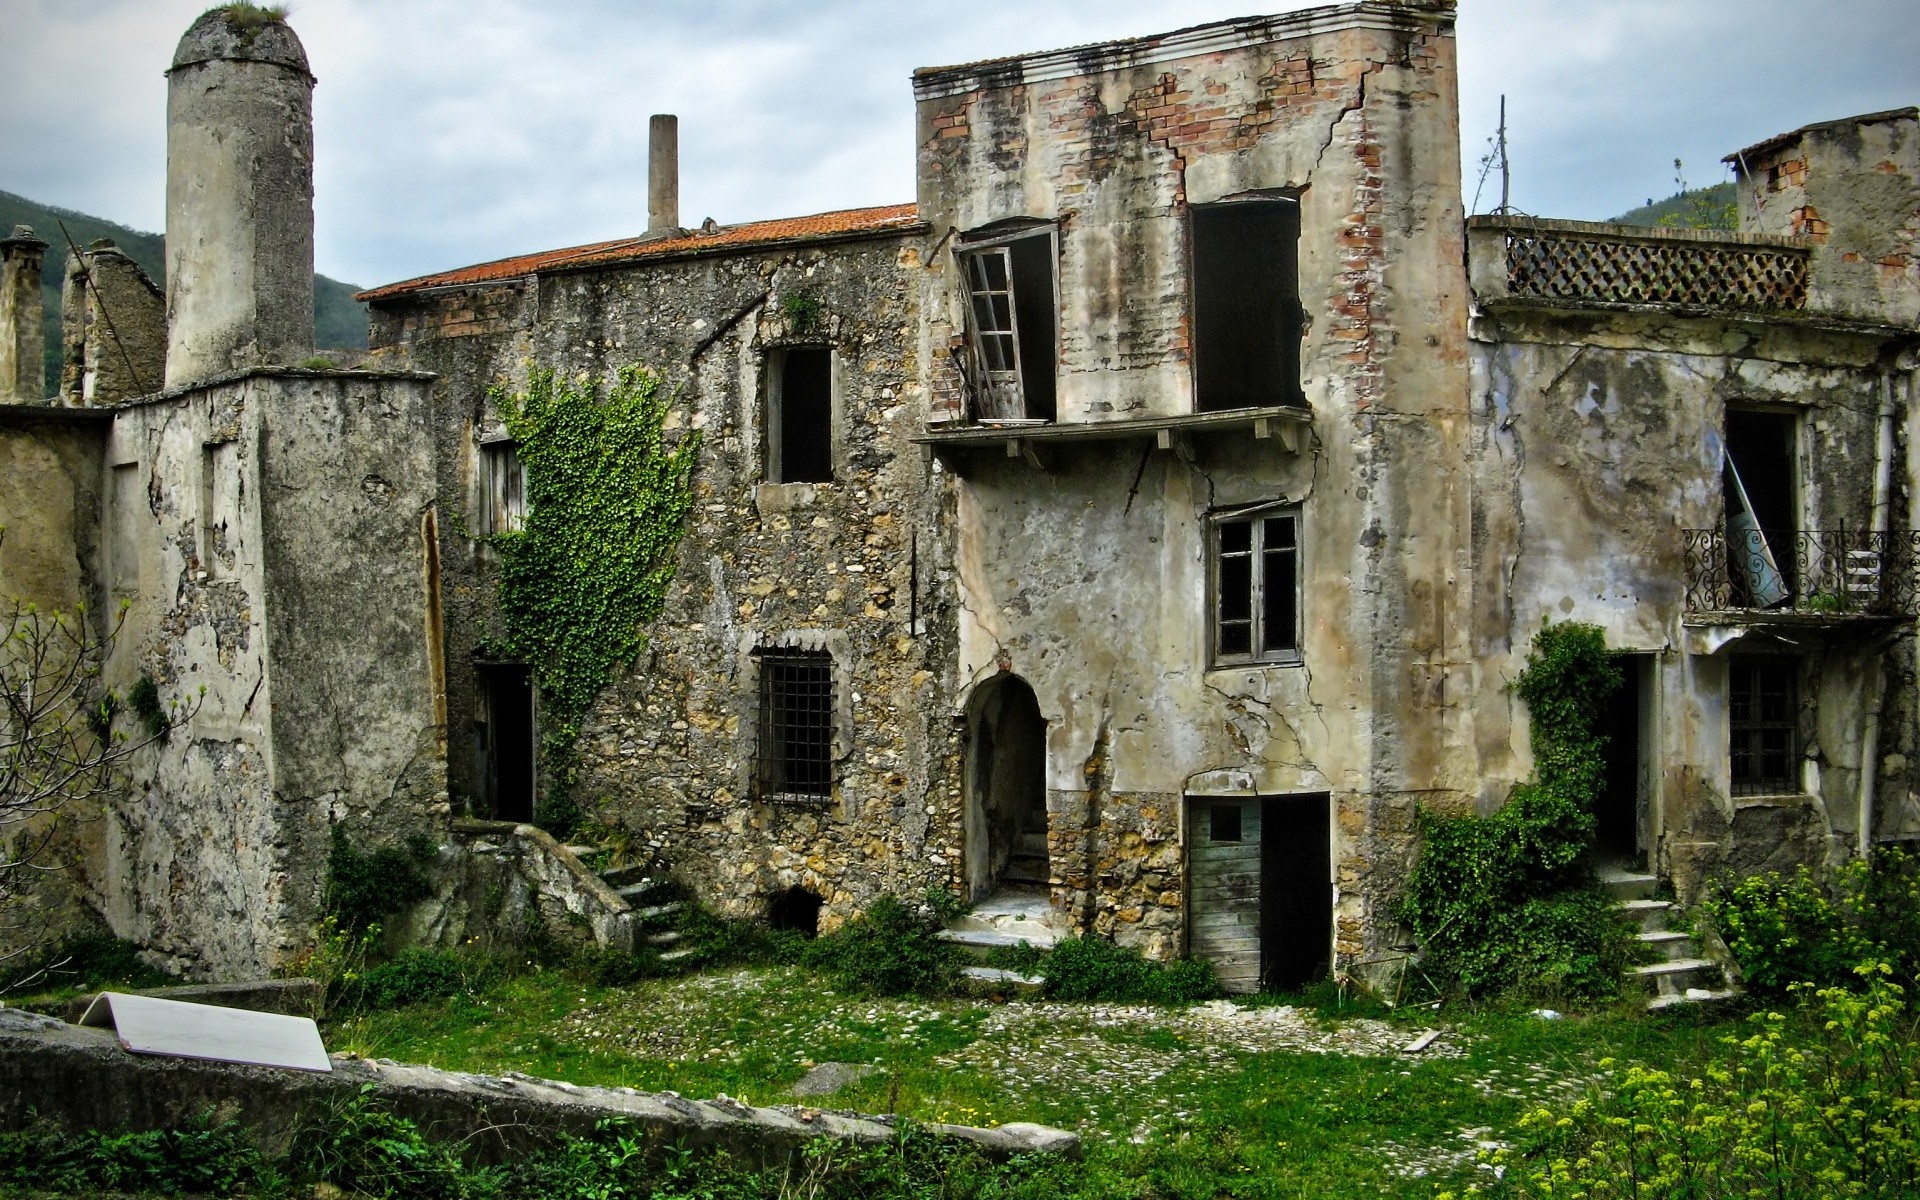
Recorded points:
(796, 723)
(1762, 721)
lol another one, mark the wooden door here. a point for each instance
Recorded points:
(1223, 889)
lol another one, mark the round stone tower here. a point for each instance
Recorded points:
(239, 196)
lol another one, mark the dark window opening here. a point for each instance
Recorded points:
(1762, 507)
(1256, 590)
(1223, 822)
(1012, 315)
(796, 723)
(506, 736)
(1763, 713)
(800, 417)
(795, 910)
(1246, 304)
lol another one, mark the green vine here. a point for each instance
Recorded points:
(607, 501)
(1506, 902)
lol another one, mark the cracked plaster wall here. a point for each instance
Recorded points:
(266, 533)
(1092, 587)
(1598, 442)
(668, 749)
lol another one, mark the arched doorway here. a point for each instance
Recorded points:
(1006, 783)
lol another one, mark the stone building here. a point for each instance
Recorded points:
(1131, 534)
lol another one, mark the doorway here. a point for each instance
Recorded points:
(507, 739)
(1006, 816)
(1618, 815)
(1260, 890)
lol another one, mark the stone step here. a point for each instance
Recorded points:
(582, 852)
(677, 955)
(978, 942)
(1678, 975)
(665, 937)
(1692, 996)
(1027, 868)
(997, 979)
(619, 877)
(1032, 843)
(1651, 915)
(1628, 885)
(1670, 945)
(655, 912)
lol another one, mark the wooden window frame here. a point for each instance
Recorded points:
(503, 488)
(1260, 556)
(1753, 730)
(1003, 387)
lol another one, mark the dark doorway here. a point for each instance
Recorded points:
(507, 739)
(1246, 304)
(795, 910)
(1260, 890)
(801, 415)
(1617, 814)
(1760, 475)
(1006, 818)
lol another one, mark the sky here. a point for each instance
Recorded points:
(451, 132)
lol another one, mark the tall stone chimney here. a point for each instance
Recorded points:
(23, 339)
(239, 197)
(663, 175)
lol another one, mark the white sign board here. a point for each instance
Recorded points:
(149, 1025)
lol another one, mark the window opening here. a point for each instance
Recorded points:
(1762, 722)
(1762, 509)
(796, 723)
(504, 501)
(800, 416)
(1224, 823)
(1256, 589)
(1246, 304)
(1012, 312)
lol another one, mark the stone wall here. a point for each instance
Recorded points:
(113, 329)
(668, 752)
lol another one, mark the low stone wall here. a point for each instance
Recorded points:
(496, 876)
(82, 1079)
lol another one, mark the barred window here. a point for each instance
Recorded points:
(1762, 725)
(1256, 589)
(796, 723)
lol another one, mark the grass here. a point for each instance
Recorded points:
(1311, 1099)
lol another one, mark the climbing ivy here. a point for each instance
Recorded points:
(606, 502)
(1507, 902)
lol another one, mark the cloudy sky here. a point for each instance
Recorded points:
(454, 131)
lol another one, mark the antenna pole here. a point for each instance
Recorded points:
(1506, 178)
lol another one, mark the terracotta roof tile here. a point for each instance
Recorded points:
(624, 250)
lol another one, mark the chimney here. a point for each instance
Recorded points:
(663, 175)
(239, 197)
(23, 340)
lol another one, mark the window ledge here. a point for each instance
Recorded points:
(800, 799)
(1288, 421)
(1265, 664)
(1774, 800)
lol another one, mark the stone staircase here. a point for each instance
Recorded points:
(1681, 972)
(654, 904)
(1021, 911)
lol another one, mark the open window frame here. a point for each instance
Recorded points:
(1013, 354)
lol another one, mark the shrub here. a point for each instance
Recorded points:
(367, 1151)
(1506, 902)
(1818, 1105)
(604, 966)
(199, 1156)
(1784, 930)
(888, 950)
(365, 887)
(89, 962)
(414, 975)
(1094, 968)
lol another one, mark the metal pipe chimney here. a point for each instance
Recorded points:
(663, 175)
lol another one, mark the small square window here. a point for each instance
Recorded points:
(1256, 589)
(1223, 822)
(795, 751)
(503, 482)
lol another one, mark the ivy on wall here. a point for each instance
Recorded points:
(606, 503)
(1507, 902)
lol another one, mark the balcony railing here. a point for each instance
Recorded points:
(1534, 259)
(1813, 572)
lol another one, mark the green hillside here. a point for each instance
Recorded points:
(1714, 207)
(339, 323)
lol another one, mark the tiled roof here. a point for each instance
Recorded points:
(852, 221)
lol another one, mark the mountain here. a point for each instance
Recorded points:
(339, 323)
(1714, 207)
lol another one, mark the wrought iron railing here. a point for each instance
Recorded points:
(1808, 571)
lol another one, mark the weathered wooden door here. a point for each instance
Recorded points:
(1260, 890)
(1223, 889)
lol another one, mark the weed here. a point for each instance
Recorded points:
(90, 962)
(888, 950)
(365, 887)
(415, 975)
(1785, 930)
(200, 1156)
(1094, 968)
(144, 699)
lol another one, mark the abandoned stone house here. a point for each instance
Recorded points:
(1131, 533)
